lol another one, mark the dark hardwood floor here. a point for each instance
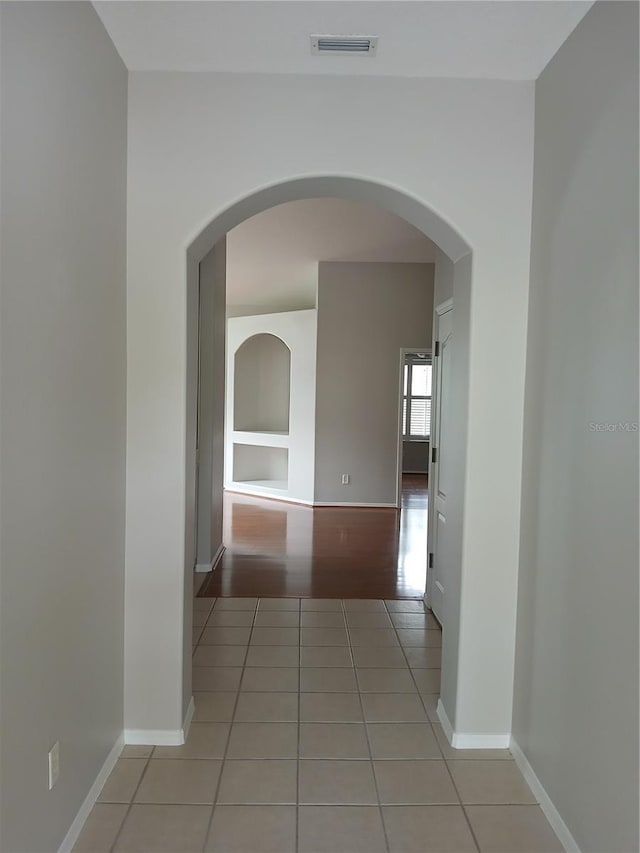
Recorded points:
(278, 549)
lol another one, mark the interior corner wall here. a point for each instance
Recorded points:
(576, 678)
(62, 398)
(366, 313)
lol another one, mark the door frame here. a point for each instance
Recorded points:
(403, 352)
(440, 309)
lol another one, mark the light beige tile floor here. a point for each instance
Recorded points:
(315, 731)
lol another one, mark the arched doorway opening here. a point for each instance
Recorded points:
(201, 252)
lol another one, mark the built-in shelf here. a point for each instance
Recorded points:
(270, 405)
(272, 438)
(261, 466)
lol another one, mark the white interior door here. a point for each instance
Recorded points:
(439, 470)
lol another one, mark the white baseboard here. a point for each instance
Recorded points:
(290, 500)
(546, 804)
(162, 737)
(209, 567)
(188, 717)
(94, 791)
(253, 493)
(481, 740)
(471, 740)
(444, 719)
(355, 504)
(154, 737)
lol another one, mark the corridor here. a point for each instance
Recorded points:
(315, 731)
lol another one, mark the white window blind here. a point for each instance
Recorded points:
(416, 404)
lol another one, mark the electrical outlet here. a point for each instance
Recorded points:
(345, 479)
(54, 764)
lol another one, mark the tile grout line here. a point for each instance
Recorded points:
(464, 810)
(455, 787)
(148, 760)
(404, 654)
(366, 734)
(233, 714)
(131, 801)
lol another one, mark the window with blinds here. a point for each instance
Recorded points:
(416, 408)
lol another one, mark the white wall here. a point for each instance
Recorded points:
(454, 157)
(64, 105)
(576, 690)
(366, 313)
(296, 330)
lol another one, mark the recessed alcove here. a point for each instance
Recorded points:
(262, 385)
(261, 467)
(270, 415)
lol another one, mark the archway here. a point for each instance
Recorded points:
(201, 254)
(396, 201)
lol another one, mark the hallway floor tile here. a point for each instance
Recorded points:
(315, 731)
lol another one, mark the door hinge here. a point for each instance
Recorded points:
(436, 349)
(431, 559)
(434, 454)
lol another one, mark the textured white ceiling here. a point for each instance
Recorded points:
(272, 258)
(491, 39)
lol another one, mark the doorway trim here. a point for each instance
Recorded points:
(404, 351)
(440, 309)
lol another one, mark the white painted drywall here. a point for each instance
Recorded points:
(294, 459)
(64, 110)
(367, 312)
(454, 157)
(576, 688)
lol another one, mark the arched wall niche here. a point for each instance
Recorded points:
(262, 385)
(270, 405)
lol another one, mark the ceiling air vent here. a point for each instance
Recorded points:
(346, 45)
